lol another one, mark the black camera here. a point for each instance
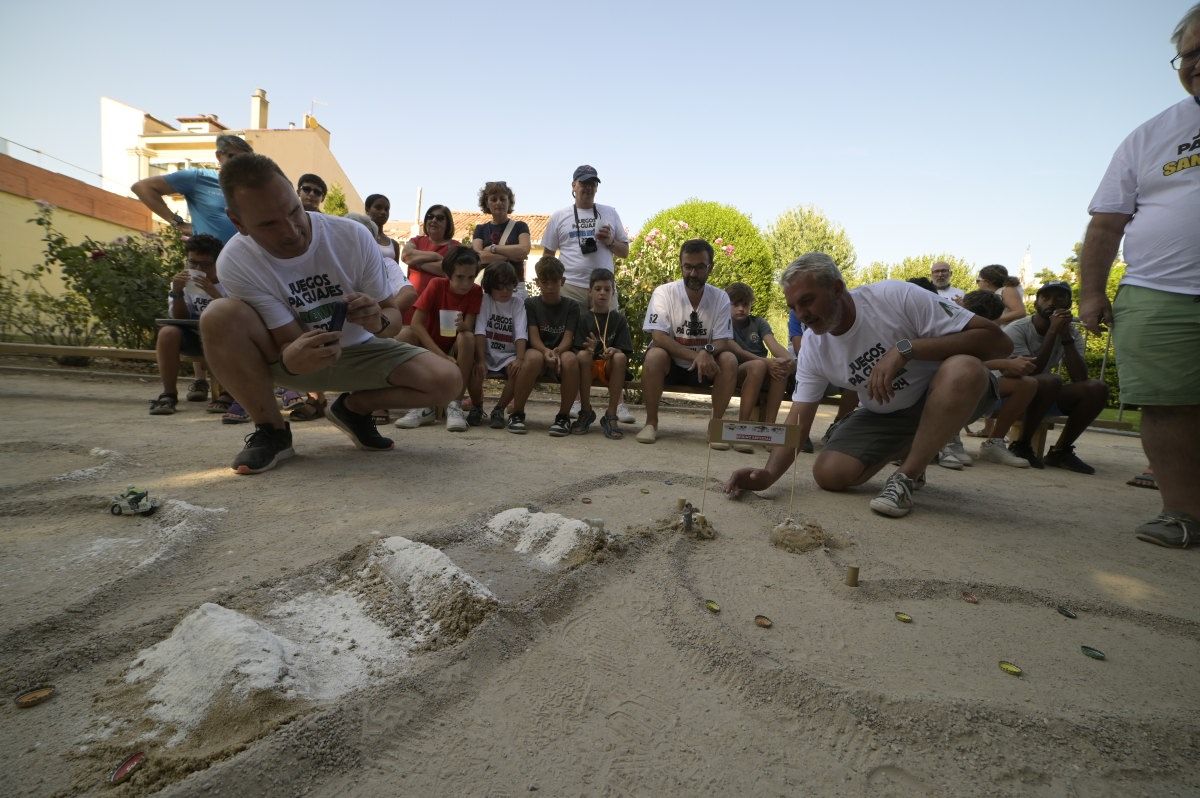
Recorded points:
(588, 245)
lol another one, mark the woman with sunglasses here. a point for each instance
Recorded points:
(423, 254)
(502, 239)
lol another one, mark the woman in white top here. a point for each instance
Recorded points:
(378, 210)
(995, 278)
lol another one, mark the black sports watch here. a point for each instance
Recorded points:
(905, 348)
(710, 348)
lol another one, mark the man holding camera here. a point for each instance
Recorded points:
(585, 235)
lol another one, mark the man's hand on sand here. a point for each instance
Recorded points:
(312, 351)
(747, 479)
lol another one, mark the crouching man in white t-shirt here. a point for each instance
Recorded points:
(289, 276)
(916, 361)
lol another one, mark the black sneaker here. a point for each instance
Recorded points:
(359, 426)
(561, 426)
(496, 419)
(1026, 452)
(807, 446)
(164, 405)
(265, 448)
(475, 417)
(1066, 458)
(584, 422)
(516, 423)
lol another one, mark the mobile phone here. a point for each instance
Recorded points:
(338, 318)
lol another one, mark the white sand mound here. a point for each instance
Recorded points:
(178, 525)
(110, 458)
(554, 537)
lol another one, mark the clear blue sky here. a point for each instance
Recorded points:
(971, 128)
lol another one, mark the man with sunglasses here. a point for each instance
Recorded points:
(200, 188)
(1050, 338)
(1150, 196)
(312, 190)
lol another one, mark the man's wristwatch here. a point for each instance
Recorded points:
(905, 348)
(386, 323)
(177, 221)
(710, 348)
(174, 294)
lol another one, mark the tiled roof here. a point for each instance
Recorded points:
(465, 221)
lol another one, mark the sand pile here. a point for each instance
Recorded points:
(799, 538)
(177, 525)
(548, 539)
(108, 459)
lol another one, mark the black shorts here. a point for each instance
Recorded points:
(189, 343)
(678, 375)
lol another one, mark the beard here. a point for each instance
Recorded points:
(694, 283)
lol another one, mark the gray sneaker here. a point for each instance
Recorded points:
(993, 450)
(956, 448)
(895, 500)
(1173, 530)
(947, 459)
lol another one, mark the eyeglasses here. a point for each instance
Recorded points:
(1188, 57)
(312, 190)
(435, 217)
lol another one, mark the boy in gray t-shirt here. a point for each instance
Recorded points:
(753, 343)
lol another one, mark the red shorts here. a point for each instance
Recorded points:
(600, 370)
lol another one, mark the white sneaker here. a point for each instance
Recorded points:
(417, 417)
(895, 500)
(993, 450)
(576, 406)
(624, 416)
(456, 420)
(946, 459)
(956, 448)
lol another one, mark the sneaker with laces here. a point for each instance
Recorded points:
(1065, 457)
(475, 417)
(956, 448)
(993, 451)
(624, 415)
(417, 417)
(496, 419)
(265, 448)
(1025, 452)
(197, 391)
(516, 423)
(164, 405)
(1173, 530)
(946, 459)
(584, 422)
(895, 500)
(359, 427)
(576, 406)
(456, 420)
(561, 426)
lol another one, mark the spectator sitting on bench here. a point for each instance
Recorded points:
(1015, 386)
(553, 319)
(605, 347)
(691, 329)
(444, 323)
(191, 291)
(753, 341)
(1050, 337)
(502, 347)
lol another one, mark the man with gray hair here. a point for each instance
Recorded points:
(1150, 195)
(201, 189)
(939, 275)
(916, 361)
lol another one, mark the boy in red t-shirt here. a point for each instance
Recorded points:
(444, 323)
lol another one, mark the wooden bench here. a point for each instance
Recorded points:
(108, 352)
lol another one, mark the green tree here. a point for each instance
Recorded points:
(741, 255)
(806, 228)
(962, 273)
(335, 202)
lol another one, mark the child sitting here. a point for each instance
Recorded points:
(501, 347)
(605, 347)
(753, 339)
(444, 323)
(553, 319)
(191, 291)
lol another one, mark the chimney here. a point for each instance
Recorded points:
(258, 110)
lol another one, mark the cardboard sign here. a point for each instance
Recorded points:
(754, 432)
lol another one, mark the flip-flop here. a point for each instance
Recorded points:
(236, 414)
(1144, 480)
(311, 410)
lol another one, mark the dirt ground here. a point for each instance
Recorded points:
(363, 623)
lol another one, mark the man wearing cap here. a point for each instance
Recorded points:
(200, 188)
(1150, 195)
(939, 275)
(585, 235)
(1050, 338)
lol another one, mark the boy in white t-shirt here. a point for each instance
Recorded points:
(915, 360)
(502, 347)
(691, 329)
(309, 308)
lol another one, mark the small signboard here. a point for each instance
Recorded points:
(753, 432)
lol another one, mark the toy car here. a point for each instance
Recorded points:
(134, 502)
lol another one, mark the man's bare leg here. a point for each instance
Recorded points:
(1017, 393)
(723, 385)
(423, 381)
(1171, 440)
(531, 369)
(953, 395)
(166, 352)
(654, 373)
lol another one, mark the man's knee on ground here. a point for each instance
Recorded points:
(834, 474)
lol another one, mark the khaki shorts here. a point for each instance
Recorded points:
(879, 437)
(1157, 337)
(360, 368)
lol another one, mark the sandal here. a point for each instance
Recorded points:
(311, 410)
(1144, 480)
(612, 428)
(292, 399)
(220, 405)
(236, 414)
(584, 422)
(197, 391)
(164, 405)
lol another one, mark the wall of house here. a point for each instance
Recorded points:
(305, 150)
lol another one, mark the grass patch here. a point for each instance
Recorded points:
(1133, 417)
